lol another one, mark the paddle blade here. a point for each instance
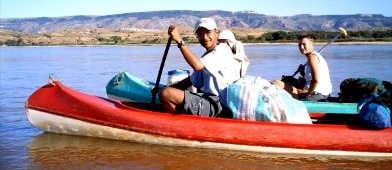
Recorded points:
(343, 32)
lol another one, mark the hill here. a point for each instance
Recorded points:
(160, 20)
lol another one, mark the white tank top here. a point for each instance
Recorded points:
(325, 85)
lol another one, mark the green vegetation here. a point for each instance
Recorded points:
(12, 42)
(114, 37)
(319, 36)
(101, 39)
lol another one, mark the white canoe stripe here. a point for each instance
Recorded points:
(60, 124)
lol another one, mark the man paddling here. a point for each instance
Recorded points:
(214, 71)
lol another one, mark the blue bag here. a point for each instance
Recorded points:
(373, 112)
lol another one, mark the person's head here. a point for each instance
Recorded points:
(226, 36)
(305, 44)
(207, 32)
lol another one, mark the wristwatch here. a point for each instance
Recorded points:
(181, 43)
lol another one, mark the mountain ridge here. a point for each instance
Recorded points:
(160, 20)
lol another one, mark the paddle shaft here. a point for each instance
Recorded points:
(322, 49)
(330, 42)
(154, 91)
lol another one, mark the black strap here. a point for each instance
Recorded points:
(377, 100)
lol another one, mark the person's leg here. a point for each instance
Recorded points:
(290, 89)
(279, 83)
(171, 99)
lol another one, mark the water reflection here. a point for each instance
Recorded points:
(55, 151)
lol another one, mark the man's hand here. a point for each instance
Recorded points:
(301, 69)
(174, 33)
(302, 91)
(301, 82)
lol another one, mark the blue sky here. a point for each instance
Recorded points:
(55, 8)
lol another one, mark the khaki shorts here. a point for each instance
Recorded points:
(207, 105)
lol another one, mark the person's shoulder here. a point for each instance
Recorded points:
(222, 46)
(222, 49)
(315, 53)
(313, 57)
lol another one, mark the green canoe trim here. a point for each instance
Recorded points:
(331, 107)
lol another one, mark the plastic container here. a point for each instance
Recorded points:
(177, 75)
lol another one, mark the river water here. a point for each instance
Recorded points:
(24, 69)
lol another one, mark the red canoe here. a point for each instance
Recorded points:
(60, 109)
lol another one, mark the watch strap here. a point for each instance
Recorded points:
(181, 43)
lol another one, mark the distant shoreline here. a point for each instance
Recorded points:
(103, 36)
(250, 44)
(335, 43)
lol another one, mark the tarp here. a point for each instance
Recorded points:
(256, 99)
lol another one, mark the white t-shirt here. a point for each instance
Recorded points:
(325, 86)
(220, 70)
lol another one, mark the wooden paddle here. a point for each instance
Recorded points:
(155, 90)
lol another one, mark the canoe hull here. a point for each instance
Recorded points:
(98, 117)
(58, 124)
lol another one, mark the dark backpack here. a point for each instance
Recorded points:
(353, 89)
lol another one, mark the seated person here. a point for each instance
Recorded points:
(227, 37)
(214, 71)
(315, 74)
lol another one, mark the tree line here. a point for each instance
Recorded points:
(269, 37)
(320, 36)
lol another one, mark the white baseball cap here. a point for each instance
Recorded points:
(206, 23)
(227, 35)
